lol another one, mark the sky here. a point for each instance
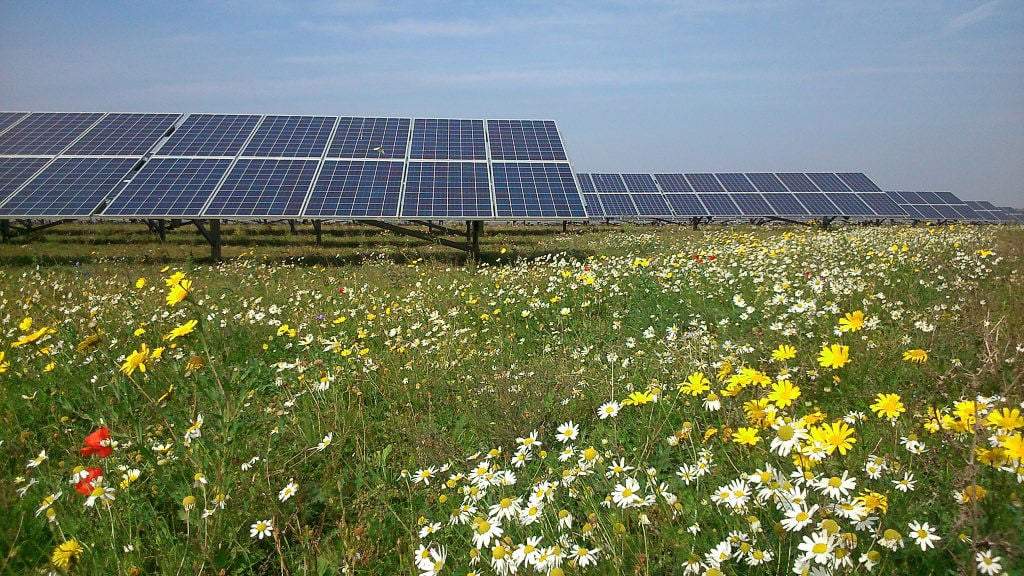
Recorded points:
(917, 94)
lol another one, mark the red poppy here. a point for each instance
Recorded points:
(84, 485)
(98, 443)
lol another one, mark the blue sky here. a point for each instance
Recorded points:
(918, 94)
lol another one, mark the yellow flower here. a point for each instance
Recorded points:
(135, 360)
(783, 393)
(918, 356)
(179, 292)
(696, 384)
(25, 324)
(1014, 446)
(174, 279)
(783, 352)
(834, 356)
(852, 322)
(638, 399)
(874, 501)
(834, 436)
(140, 283)
(139, 332)
(88, 343)
(888, 405)
(30, 338)
(182, 330)
(1006, 419)
(66, 554)
(746, 436)
(3, 365)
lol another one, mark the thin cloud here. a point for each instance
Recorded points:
(972, 17)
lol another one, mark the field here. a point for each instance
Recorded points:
(611, 400)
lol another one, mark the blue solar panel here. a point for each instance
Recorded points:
(912, 211)
(524, 140)
(47, 133)
(671, 183)
(593, 203)
(948, 198)
(258, 187)
(123, 135)
(719, 204)
(210, 135)
(170, 187)
(858, 182)
(639, 183)
(881, 204)
(849, 204)
(536, 190)
(896, 197)
(291, 137)
(986, 205)
(704, 183)
(354, 188)
(370, 138)
(766, 182)
(447, 190)
(928, 212)
(8, 119)
(930, 198)
(785, 204)
(653, 205)
(16, 171)
(68, 187)
(753, 204)
(966, 212)
(441, 139)
(817, 204)
(735, 182)
(685, 205)
(586, 183)
(912, 198)
(797, 182)
(828, 182)
(605, 183)
(618, 205)
(946, 211)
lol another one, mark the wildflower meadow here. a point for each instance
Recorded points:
(611, 400)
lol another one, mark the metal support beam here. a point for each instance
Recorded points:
(478, 228)
(466, 247)
(212, 236)
(565, 226)
(28, 228)
(318, 228)
(694, 222)
(437, 227)
(291, 225)
(826, 222)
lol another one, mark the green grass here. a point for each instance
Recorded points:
(439, 358)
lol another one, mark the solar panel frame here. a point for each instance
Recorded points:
(817, 204)
(262, 187)
(8, 119)
(68, 187)
(828, 182)
(735, 182)
(592, 203)
(123, 134)
(704, 182)
(858, 182)
(797, 182)
(686, 205)
(210, 135)
(177, 187)
(930, 197)
(785, 204)
(912, 211)
(946, 211)
(850, 204)
(448, 139)
(881, 204)
(766, 182)
(618, 204)
(352, 189)
(652, 205)
(285, 136)
(608, 183)
(928, 211)
(910, 197)
(673, 183)
(640, 184)
(46, 133)
(752, 204)
(536, 190)
(966, 212)
(16, 171)
(517, 140)
(720, 204)
(586, 183)
(948, 198)
(450, 190)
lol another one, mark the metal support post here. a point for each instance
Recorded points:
(318, 228)
(5, 228)
(291, 226)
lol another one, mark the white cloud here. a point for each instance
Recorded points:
(972, 17)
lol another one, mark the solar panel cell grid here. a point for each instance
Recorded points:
(442, 139)
(346, 188)
(818, 204)
(123, 135)
(785, 204)
(69, 187)
(704, 183)
(966, 212)
(849, 204)
(766, 182)
(171, 187)
(719, 204)
(735, 182)
(640, 183)
(8, 119)
(828, 182)
(946, 211)
(858, 182)
(536, 190)
(16, 171)
(447, 190)
(210, 135)
(291, 137)
(586, 183)
(927, 212)
(753, 205)
(948, 198)
(618, 205)
(257, 187)
(930, 198)
(46, 133)
(686, 205)
(673, 183)
(370, 138)
(593, 202)
(881, 204)
(606, 183)
(797, 182)
(524, 140)
(653, 205)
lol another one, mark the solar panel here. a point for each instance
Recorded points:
(858, 182)
(735, 182)
(447, 190)
(46, 133)
(849, 204)
(766, 182)
(719, 204)
(170, 187)
(8, 119)
(704, 183)
(686, 205)
(927, 212)
(291, 137)
(653, 205)
(524, 140)
(785, 204)
(210, 135)
(930, 198)
(616, 204)
(671, 183)
(640, 183)
(536, 190)
(948, 198)
(605, 183)
(347, 188)
(753, 204)
(123, 135)
(912, 211)
(68, 187)
(370, 138)
(912, 198)
(817, 204)
(986, 205)
(16, 171)
(881, 204)
(260, 187)
(946, 211)
(966, 212)
(797, 182)
(828, 182)
(593, 204)
(586, 183)
(441, 139)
